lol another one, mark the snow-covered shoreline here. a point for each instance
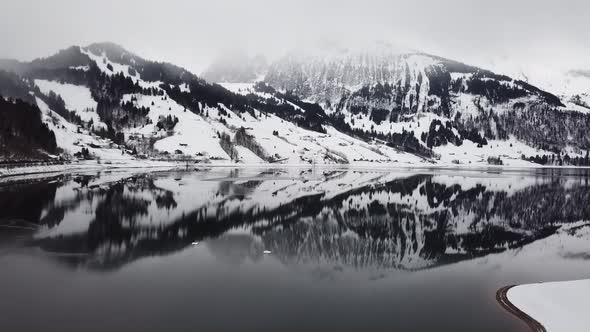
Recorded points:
(357, 165)
(557, 306)
(6, 172)
(151, 164)
(502, 298)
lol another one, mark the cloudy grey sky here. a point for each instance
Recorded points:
(190, 33)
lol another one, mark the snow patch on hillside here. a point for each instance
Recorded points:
(105, 65)
(184, 88)
(245, 89)
(571, 107)
(192, 134)
(197, 135)
(239, 88)
(577, 103)
(510, 151)
(247, 156)
(82, 68)
(77, 98)
(71, 140)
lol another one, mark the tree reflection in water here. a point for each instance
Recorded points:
(352, 218)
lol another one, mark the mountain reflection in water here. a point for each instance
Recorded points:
(351, 218)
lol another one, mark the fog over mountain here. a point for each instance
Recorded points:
(505, 35)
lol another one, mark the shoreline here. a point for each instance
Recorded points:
(502, 298)
(61, 168)
(7, 173)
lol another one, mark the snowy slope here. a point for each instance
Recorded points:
(196, 134)
(192, 135)
(72, 141)
(105, 64)
(77, 99)
(294, 145)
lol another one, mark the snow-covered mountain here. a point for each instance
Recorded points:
(371, 106)
(159, 110)
(559, 78)
(406, 96)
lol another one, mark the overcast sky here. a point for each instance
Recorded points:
(190, 33)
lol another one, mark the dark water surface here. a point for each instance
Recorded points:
(350, 250)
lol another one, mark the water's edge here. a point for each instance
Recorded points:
(502, 298)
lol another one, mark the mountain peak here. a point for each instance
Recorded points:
(114, 52)
(107, 45)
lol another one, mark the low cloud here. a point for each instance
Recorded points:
(532, 32)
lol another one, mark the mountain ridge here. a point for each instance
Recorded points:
(408, 109)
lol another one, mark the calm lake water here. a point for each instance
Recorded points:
(284, 249)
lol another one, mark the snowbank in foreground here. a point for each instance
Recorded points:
(558, 306)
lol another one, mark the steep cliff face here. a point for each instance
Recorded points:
(328, 78)
(385, 81)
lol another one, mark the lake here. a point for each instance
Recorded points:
(285, 249)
